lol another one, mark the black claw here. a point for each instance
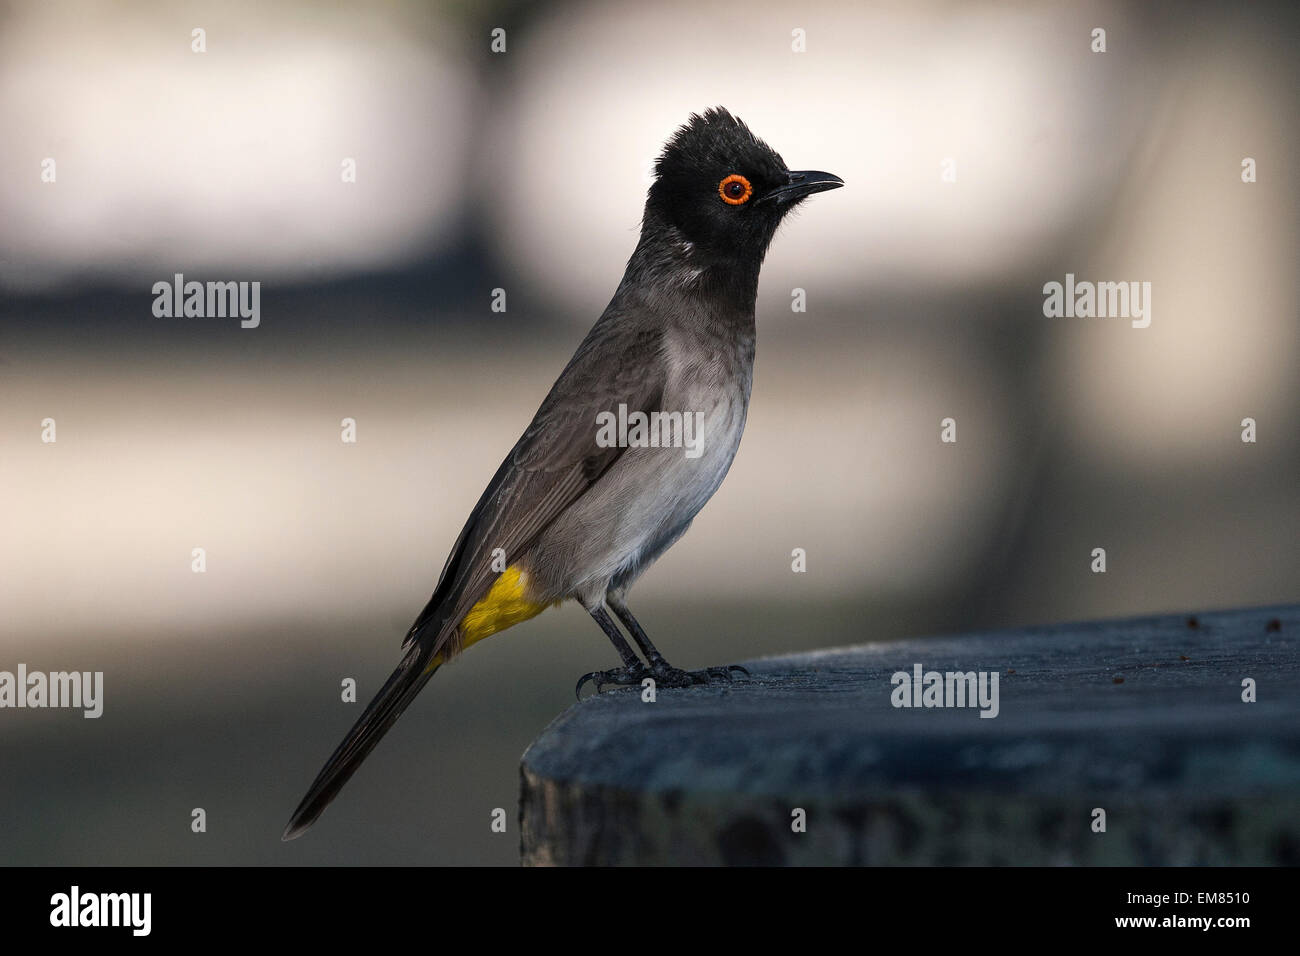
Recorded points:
(623, 677)
(577, 691)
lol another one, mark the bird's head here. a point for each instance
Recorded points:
(724, 191)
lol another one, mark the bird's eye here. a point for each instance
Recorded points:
(735, 189)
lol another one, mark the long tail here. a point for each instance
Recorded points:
(400, 689)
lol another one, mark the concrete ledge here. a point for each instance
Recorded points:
(1143, 718)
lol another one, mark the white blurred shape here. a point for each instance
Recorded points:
(150, 464)
(1224, 340)
(229, 158)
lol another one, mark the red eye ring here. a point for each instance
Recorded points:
(735, 190)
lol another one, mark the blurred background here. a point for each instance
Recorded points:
(525, 170)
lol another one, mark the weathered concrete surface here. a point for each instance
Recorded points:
(1186, 771)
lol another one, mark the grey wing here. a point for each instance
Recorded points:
(553, 464)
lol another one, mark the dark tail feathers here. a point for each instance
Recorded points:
(399, 690)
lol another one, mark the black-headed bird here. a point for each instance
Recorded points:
(634, 437)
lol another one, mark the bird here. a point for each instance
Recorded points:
(634, 437)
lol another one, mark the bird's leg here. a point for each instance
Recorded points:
(652, 655)
(632, 671)
(663, 672)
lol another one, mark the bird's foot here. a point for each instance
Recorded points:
(665, 675)
(619, 676)
(662, 673)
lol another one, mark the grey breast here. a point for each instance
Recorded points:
(649, 496)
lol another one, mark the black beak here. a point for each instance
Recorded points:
(803, 183)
